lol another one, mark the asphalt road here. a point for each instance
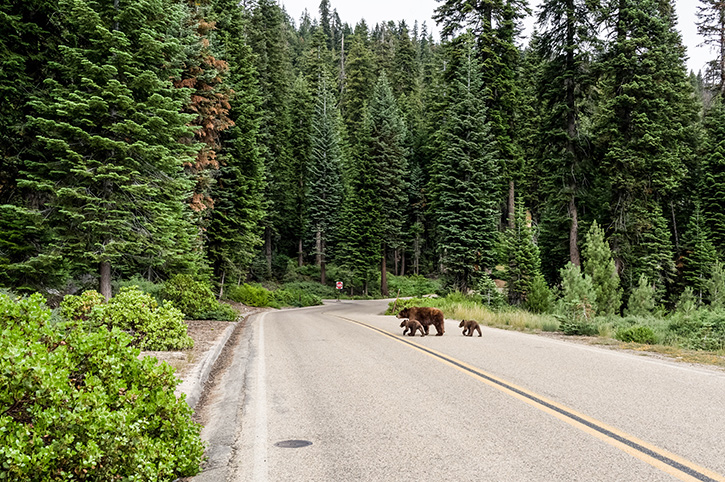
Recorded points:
(368, 404)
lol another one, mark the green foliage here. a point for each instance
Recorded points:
(78, 405)
(110, 141)
(700, 329)
(540, 299)
(716, 286)
(80, 307)
(523, 257)
(250, 295)
(637, 334)
(413, 285)
(196, 300)
(464, 175)
(577, 303)
(642, 302)
(154, 289)
(295, 297)
(154, 327)
(490, 294)
(599, 266)
(687, 302)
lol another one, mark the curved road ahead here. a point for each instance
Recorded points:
(368, 404)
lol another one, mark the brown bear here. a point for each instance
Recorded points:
(426, 316)
(411, 326)
(469, 326)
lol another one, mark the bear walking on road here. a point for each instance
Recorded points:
(426, 316)
(411, 326)
(469, 326)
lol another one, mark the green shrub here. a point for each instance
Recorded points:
(79, 307)
(490, 295)
(637, 334)
(154, 289)
(540, 299)
(154, 327)
(251, 295)
(413, 285)
(576, 326)
(700, 330)
(313, 288)
(82, 406)
(642, 301)
(193, 298)
(295, 297)
(222, 312)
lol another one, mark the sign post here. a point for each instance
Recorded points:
(338, 285)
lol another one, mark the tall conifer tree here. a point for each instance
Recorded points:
(323, 186)
(644, 123)
(110, 128)
(463, 191)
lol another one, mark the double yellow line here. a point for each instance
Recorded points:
(665, 461)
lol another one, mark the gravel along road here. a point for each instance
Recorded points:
(336, 393)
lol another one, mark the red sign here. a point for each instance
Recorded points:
(339, 285)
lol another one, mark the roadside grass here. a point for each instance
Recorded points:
(665, 341)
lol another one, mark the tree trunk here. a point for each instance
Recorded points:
(512, 205)
(574, 233)
(396, 255)
(268, 248)
(323, 271)
(384, 275)
(402, 263)
(105, 272)
(300, 254)
(416, 255)
(221, 286)
(318, 247)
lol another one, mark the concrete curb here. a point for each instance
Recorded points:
(193, 383)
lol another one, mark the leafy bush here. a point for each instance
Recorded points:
(701, 329)
(540, 299)
(154, 289)
(576, 326)
(222, 312)
(413, 285)
(251, 295)
(312, 288)
(490, 295)
(642, 302)
(154, 327)
(637, 334)
(76, 405)
(295, 297)
(79, 307)
(193, 298)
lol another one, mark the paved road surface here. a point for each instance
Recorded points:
(377, 406)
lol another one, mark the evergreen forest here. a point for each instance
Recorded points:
(229, 142)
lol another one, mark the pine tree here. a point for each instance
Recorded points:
(699, 255)
(599, 267)
(463, 194)
(110, 129)
(302, 109)
(644, 123)
(358, 83)
(524, 261)
(324, 186)
(495, 24)
(268, 40)
(578, 297)
(567, 36)
(384, 147)
(234, 232)
(712, 182)
(642, 302)
(711, 25)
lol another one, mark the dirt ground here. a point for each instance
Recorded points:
(204, 333)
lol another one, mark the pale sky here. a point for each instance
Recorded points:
(374, 11)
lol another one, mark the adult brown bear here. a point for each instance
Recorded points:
(426, 316)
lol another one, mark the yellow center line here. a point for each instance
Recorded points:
(663, 460)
